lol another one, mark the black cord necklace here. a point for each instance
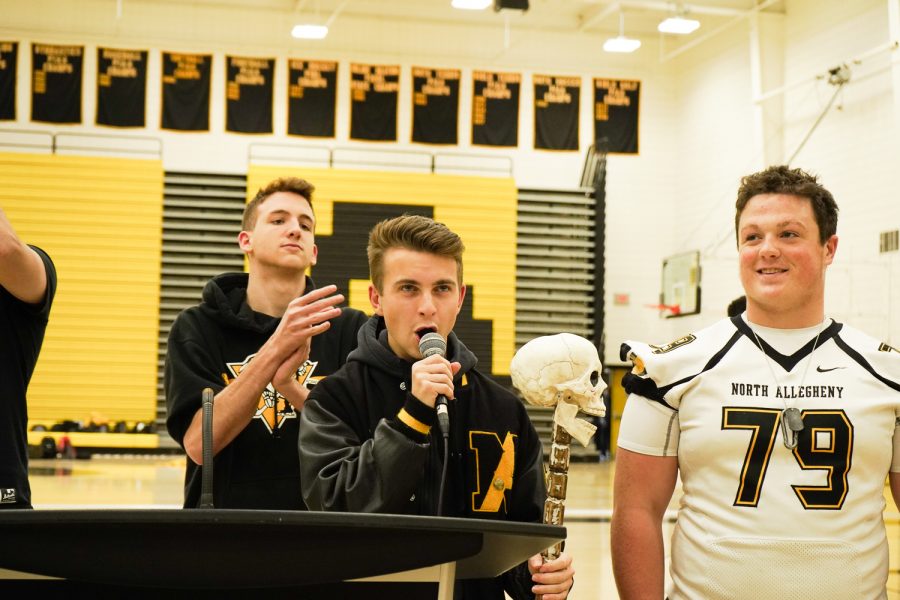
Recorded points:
(791, 420)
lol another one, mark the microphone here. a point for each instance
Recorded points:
(432, 343)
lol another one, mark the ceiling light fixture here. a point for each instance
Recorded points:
(308, 31)
(679, 25)
(621, 43)
(471, 4)
(315, 30)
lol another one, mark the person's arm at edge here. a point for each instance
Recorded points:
(22, 271)
(642, 490)
(894, 479)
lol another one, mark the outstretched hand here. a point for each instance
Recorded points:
(305, 317)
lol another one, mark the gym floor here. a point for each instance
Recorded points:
(156, 482)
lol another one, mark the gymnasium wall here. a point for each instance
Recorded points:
(481, 210)
(100, 220)
(856, 149)
(701, 129)
(721, 134)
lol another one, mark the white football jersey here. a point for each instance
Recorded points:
(757, 519)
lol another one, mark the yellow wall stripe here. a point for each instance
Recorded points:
(100, 219)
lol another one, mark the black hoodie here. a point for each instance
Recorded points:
(366, 446)
(208, 345)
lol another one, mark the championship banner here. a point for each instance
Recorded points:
(185, 91)
(9, 55)
(248, 94)
(374, 91)
(495, 108)
(56, 83)
(121, 87)
(312, 97)
(557, 101)
(435, 105)
(616, 112)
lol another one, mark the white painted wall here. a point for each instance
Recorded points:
(700, 127)
(855, 150)
(709, 146)
(716, 138)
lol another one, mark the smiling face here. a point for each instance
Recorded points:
(782, 261)
(420, 293)
(283, 236)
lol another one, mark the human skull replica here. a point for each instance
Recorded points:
(562, 367)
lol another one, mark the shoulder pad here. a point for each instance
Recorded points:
(660, 371)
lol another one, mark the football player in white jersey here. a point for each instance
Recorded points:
(781, 422)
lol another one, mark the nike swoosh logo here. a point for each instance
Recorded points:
(821, 370)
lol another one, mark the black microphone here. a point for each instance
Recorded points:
(432, 343)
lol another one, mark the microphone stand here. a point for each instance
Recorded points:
(444, 425)
(206, 485)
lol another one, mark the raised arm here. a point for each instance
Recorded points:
(641, 492)
(236, 404)
(22, 271)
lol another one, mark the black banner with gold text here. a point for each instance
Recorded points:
(121, 87)
(56, 83)
(185, 91)
(9, 57)
(312, 97)
(556, 104)
(616, 113)
(374, 91)
(495, 108)
(248, 95)
(435, 105)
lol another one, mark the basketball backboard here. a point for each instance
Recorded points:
(680, 294)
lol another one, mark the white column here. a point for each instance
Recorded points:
(893, 7)
(767, 73)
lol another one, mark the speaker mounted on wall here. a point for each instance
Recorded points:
(511, 4)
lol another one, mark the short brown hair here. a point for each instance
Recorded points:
(295, 185)
(782, 179)
(413, 232)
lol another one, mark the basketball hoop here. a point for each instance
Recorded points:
(675, 309)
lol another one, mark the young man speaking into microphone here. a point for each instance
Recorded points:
(367, 437)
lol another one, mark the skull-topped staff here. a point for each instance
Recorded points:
(561, 370)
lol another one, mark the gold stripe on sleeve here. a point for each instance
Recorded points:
(413, 423)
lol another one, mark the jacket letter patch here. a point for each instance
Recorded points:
(495, 462)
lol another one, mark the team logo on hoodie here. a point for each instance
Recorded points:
(273, 409)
